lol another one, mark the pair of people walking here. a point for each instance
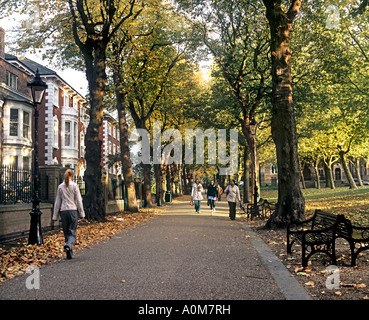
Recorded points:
(68, 205)
(196, 195)
(232, 191)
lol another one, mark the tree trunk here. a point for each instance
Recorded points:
(357, 169)
(251, 143)
(246, 176)
(348, 174)
(179, 175)
(159, 184)
(291, 202)
(125, 154)
(93, 201)
(317, 177)
(147, 185)
(303, 179)
(330, 176)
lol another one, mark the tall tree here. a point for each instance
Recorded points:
(291, 202)
(143, 59)
(94, 24)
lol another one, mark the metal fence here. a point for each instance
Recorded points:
(15, 185)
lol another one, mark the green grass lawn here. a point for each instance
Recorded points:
(353, 203)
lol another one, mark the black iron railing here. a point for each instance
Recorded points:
(15, 185)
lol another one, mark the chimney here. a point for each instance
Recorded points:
(2, 42)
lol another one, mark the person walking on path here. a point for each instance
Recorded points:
(220, 192)
(196, 194)
(233, 195)
(212, 195)
(68, 205)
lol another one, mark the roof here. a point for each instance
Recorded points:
(32, 66)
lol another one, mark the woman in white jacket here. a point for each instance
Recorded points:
(233, 195)
(68, 205)
(196, 194)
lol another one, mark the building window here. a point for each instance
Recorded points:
(13, 162)
(13, 124)
(337, 174)
(82, 144)
(75, 135)
(67, 134)
(56, 134)
(75, 104)
(66, 100)
(12, 80)
(26, 123)
(26, 163)
(56, 97)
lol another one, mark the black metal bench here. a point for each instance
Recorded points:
(353, 235)
(255, 211)
(263, 209)
(269, 207)
(318, 233)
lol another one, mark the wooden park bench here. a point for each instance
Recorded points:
(316, 233)
(354, 235)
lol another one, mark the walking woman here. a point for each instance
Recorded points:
(196, 194)
(212, 195)
(233, 194)
(68, 205)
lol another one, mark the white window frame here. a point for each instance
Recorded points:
(56, 133)
(15, 122)
(69, 133)
(56, 97)
(26, 126)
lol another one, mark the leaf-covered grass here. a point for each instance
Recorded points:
(354, 204)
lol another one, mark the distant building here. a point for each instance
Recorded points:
(269, 174)
(109, 135)
(16, 111)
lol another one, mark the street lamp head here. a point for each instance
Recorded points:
(38, 88)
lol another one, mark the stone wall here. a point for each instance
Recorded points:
(15, 219)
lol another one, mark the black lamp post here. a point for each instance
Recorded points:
(38, 88)
(253, 127)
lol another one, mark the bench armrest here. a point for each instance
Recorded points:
(325, 234)
(299, 225)
(363, 232)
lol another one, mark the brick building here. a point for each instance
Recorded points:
(15, 113)
(109, 135)
(62, 116)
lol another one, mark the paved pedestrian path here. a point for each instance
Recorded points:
(179, 255)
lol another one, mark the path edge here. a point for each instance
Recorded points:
(290, 287)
